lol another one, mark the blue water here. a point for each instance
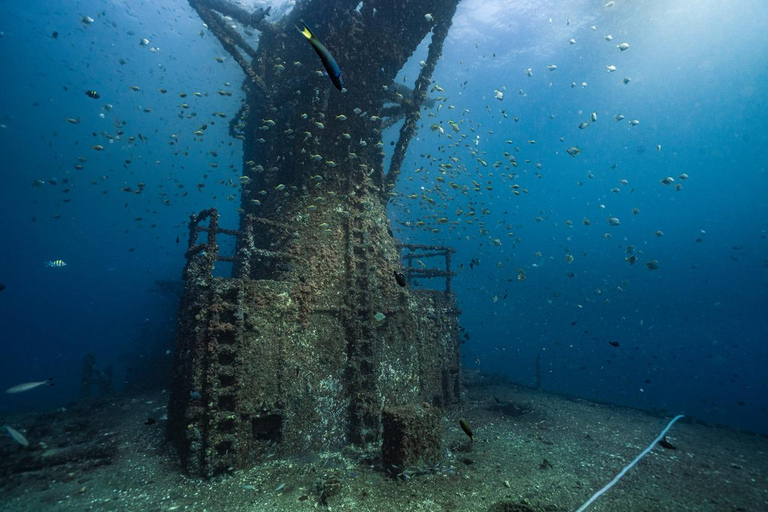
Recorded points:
(691, 333)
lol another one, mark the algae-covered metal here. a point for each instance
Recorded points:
(287, 354)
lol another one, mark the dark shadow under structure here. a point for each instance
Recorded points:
(312, 336)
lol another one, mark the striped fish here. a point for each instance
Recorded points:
(55, 263)
(16, 435)
(20, 388)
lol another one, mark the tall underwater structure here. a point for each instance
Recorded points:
(313, 335)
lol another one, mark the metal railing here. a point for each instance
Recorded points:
(245, 249)
(426, 252)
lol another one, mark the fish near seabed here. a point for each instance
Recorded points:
(20, 388)
(467, 429)
(331, 66)
(16, 435)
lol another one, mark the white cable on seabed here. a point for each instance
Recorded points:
(623, 471)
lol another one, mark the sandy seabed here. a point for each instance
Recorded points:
(533, 451)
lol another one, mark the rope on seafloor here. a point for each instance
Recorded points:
(631, 464)
(408, 130)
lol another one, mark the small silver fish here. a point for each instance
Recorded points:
(16, 435)
(20, 388)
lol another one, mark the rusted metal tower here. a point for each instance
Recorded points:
(312, 335)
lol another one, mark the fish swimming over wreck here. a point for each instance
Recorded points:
(331, 66)
(258, 15)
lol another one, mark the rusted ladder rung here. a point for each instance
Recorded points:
(426, 255)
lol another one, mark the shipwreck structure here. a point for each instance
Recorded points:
(313, 334)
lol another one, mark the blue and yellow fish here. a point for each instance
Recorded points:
(55, 263)
(331, 67)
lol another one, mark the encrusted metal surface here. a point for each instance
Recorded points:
(312, 335)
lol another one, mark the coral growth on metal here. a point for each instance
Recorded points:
(300, 337)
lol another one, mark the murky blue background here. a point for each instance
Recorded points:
(691, 333)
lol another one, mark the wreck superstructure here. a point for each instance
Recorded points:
(312, 335)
